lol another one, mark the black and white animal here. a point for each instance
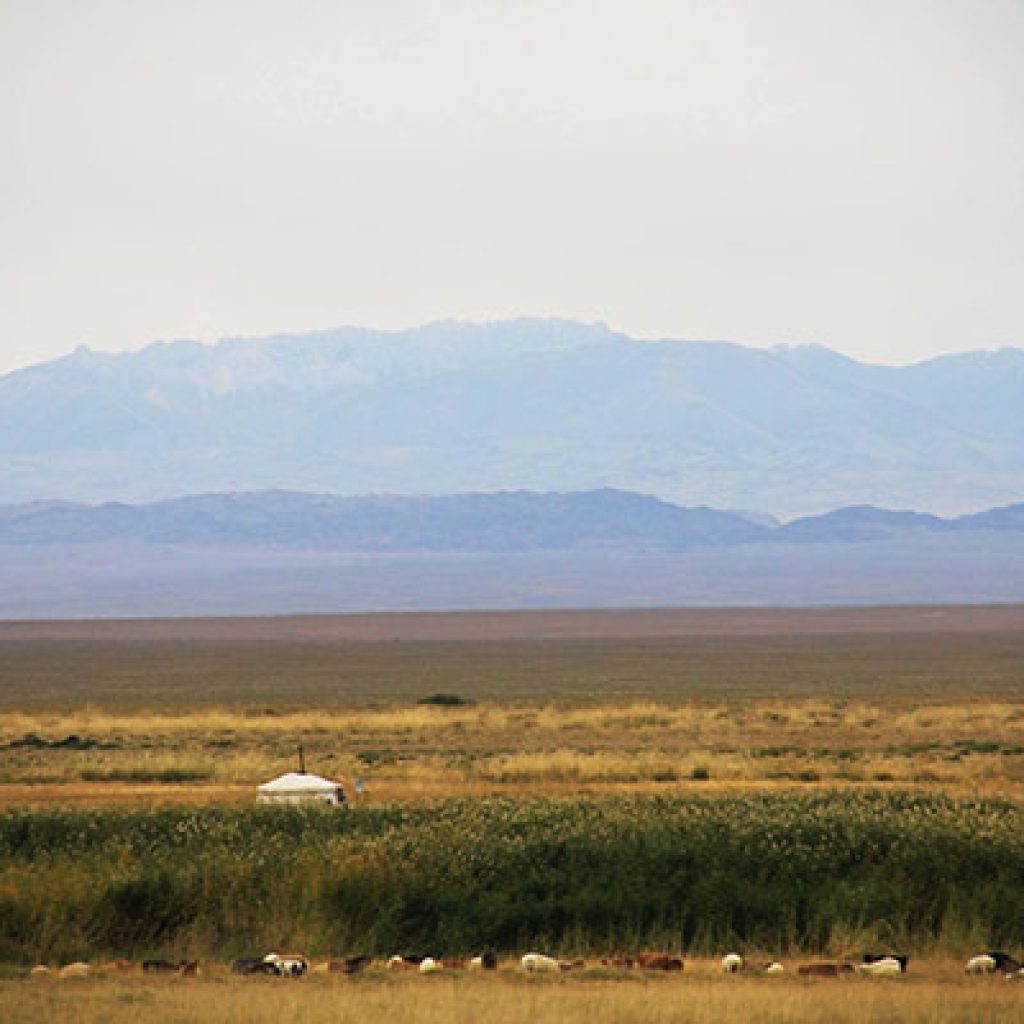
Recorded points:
(732, 963)
(410, 962)
(870, 960)
(989, 963)
(252, 965)
(288, 965)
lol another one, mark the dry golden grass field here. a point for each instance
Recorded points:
(936, 992)
(200, 710)
(89, 755)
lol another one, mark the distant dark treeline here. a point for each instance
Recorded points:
(781, 873)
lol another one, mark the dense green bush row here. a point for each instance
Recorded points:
(781, 873)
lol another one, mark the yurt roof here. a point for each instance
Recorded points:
(298, 782)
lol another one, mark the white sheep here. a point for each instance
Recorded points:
(538, 963)
(980, 964)
(884, 967)
(76, 970)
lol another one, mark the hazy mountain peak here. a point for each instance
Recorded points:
(542, 404)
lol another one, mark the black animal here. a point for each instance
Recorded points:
(252, 965)
(162, 966)
(355, 964)
(1005, 962)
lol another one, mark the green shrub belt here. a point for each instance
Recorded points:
(785, 873)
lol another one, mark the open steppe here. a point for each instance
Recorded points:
(91, 756)
(892, 710)
(571, 702)
(577, 656)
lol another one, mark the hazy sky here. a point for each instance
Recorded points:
(771, 171)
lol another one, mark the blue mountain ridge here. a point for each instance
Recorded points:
(532, 405)
(509, 521)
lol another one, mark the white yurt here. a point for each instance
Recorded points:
(301, 788)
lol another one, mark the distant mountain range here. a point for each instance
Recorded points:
(509, 521)
(538, 405)
(281, 552)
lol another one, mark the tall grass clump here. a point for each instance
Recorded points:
(785, 872)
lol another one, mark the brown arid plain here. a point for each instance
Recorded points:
(426, 706)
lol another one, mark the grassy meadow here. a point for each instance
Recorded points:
(792, 785)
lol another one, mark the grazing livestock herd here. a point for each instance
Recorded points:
(295, 965)
(291, 965)
(646, 962)
(487, 961)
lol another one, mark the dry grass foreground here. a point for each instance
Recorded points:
(935, 993)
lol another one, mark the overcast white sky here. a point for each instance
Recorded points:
(849, 172)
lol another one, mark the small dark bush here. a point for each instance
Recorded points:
(446, 700)
(978, 746)
(141, 775)
(31, 741)
(377, 756)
